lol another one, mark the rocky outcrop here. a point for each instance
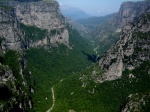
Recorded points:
(10, 33)
(15, 91)
(136, 103)
(44, 15)
(107, 33)
(6, 80)
(130, 50)
(130, 11)
(12, 95)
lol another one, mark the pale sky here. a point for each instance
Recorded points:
(95, 7)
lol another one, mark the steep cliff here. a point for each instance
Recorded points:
(107, 33)
(44, 15)
(130, 11)
(130, 50)
(10, 33)
(15, 92)
(136, 102)
(24, 91)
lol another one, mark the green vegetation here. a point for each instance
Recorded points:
(142, 35)
(53, 32)
(49, 66)
(140, 101)
(105, 97)
(33, 33)
(11, 59)
(7, 8)
(1, 40)
(4, 22)
(106, 44)
(105, 35)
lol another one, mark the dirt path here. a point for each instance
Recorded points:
(53, 97)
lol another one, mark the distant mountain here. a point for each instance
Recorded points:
(73, 12)
(102, 30)
(92, 24)
(106, 33)
(94, 20)
(84, 31)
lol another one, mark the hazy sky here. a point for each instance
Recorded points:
(95, 7)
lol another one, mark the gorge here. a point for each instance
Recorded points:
(51, 63)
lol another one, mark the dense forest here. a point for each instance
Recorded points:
(50, 65)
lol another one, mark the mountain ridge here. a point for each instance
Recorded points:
(73, 13)
(125, 52)
(31, 63)
(49, 18)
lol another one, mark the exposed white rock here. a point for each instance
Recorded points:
(44, 15)
(72, 110)
(131, 46)
(129, 12)
(9, 30)
(30, 104)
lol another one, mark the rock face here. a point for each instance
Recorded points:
(107, 33)
(44, 15)
(136, 103)
(6, 76)
(15, 92)
(130, 50)
(12, 95)
(130, 11)
(10, 33)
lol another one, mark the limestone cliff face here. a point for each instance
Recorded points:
(130, 50)
(107, 33)
(136, 103)
(10, 33)
(15, 92)
(130, 11)
(44, 15)
(13, 95)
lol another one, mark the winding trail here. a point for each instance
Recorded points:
(53, 97)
